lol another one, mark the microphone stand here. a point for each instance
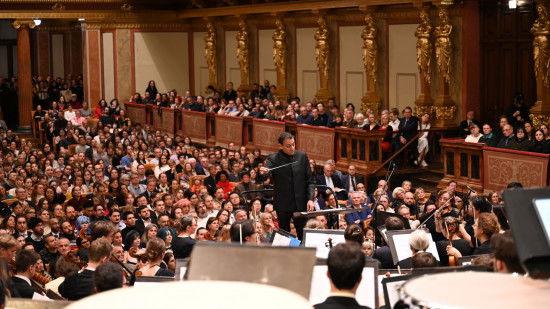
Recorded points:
(389, 173)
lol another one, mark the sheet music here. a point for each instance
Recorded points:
(319, 241)
(183, 270)
(280, 241)
(320, 287)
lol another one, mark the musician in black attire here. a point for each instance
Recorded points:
(81, 284)
(451, 232)
(25, 267)
(345, 265)
(294, 183)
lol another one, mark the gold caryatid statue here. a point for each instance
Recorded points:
(279, 57)
(370, 49)
(370, 100)
(322, 51)
(322, 56)
(443, 45)
(242, 56)
(210, 53)
(444, 109)
(541, 56)
(424, 52)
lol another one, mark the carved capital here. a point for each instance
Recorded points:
(22, 23)
(539, 119)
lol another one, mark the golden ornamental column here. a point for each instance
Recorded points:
(322, 58)
(445, 109)
(24, 75)
(243, 58)
(371, 99)
(210, 54)
(279, 58)
(424, 52)
(540, 113)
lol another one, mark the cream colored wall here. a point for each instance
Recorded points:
(163, 57)
(352, 72)
(108, 66)
(200, 65)
(58, 65)
(404, 82)
(267, 67)
(232, 71)
(307, 73)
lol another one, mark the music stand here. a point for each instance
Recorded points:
(286, 267)
(319, 239)
(398, 241)
(181, 269)
(390, 286)
(281, 238)
(367, 292)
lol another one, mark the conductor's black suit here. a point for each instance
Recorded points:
(294, 187)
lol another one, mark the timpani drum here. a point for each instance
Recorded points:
(475, 290)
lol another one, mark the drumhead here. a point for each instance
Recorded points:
(476, 290)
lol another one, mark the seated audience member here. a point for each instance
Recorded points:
(108, 276)
(505, 258)
(488, 137)
(351, 179)
(244, 232)
(25, 268)
(423, 260)
(465, 125)
(474, 135)
(81, 284)
(507, 136)
(520, 141)
(358, 217)
(419, 243)
(345, 267)
(383, 254)
(540, 143)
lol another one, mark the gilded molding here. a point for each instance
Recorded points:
(443, 113)
(18, 23)
(168, 26)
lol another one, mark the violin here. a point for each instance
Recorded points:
(328, 244)
(125, 269)
(452, 259)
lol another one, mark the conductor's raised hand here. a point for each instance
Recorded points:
(264, 170)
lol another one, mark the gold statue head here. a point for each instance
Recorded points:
(369, 20)
(444, 15)
(278, 22)
(242, 24)
(321, 21)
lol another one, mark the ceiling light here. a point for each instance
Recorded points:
(512, 4)
(37, 22)
(81, 19)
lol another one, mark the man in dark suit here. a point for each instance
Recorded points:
(81, 284)
(294, 182)
(350, 180)
(464, 127)
(25, 267)
(328, 178)
(345, 267)
(408, 128)
(144, 219)
(383, 254)
(507, 138)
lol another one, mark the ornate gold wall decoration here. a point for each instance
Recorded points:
(424, 54)
(210, 54)
(18, 23)
(370, 100)
(541, 57)
(445, 109)
(58, 7)
(279, 57)
(443, 45)
(243, 57)
(322, 57)
(126, 7)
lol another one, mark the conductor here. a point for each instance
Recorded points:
(293, 181)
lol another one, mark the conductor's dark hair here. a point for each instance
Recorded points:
(505, 250)
(514, 185)
(107, 276)
(284, 136)
(393, 224)
(345, 265)
(481, 204)
(423, 260)
(247, 228)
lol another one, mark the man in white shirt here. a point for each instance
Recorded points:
(394, 119)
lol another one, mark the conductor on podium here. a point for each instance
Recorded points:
(293, 182)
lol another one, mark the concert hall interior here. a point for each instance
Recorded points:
(300, 153)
